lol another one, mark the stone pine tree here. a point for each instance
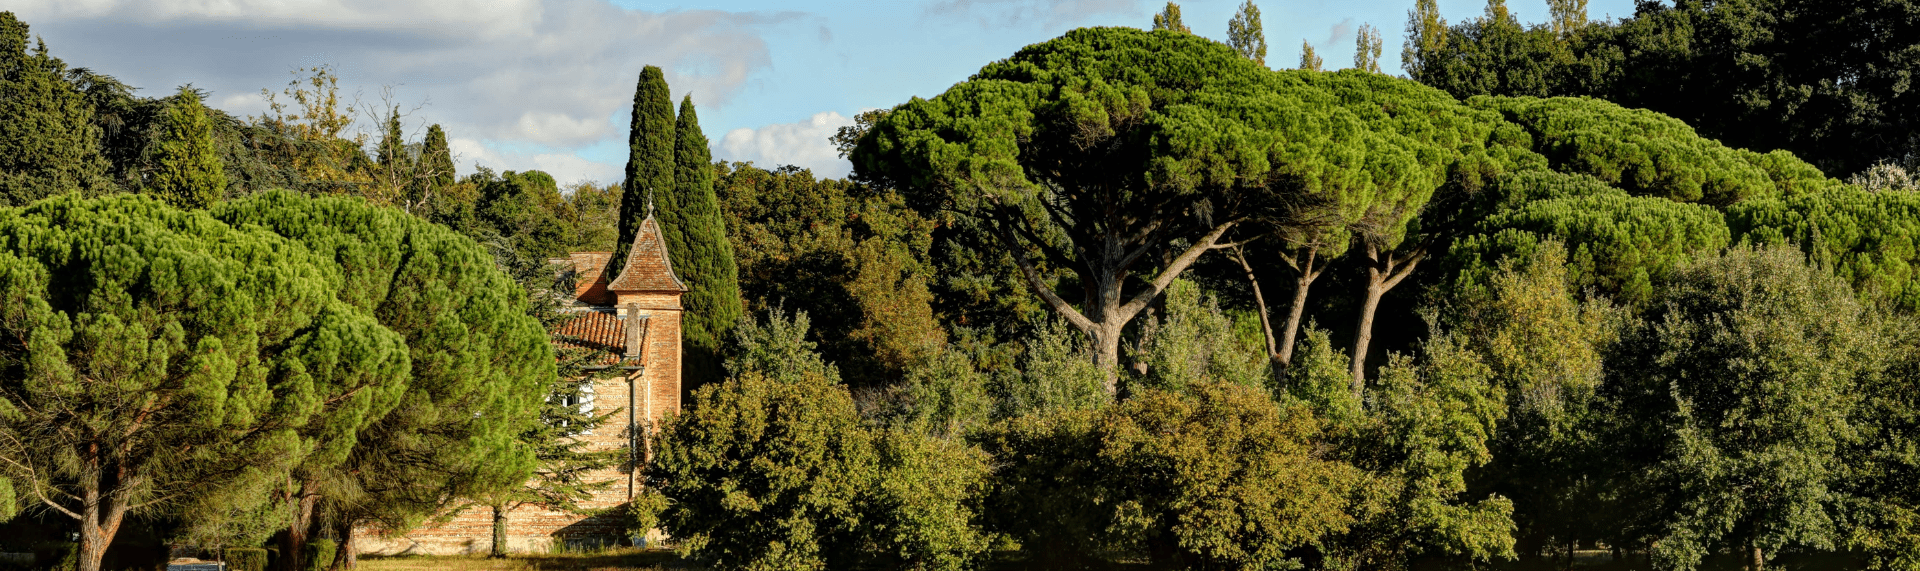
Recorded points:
(49, 143)
(697, 243)
(1169, 19)
(480, 363)
(1125, 182)
(1245, 35)
(187, 169)
(649, 159)
(1309, 61)
(158, 358)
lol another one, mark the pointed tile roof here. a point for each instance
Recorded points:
(609, 338)
(648, 267)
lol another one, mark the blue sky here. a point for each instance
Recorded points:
(547, 84)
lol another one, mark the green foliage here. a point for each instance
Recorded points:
(1647, 153)
(1067, 152)
(480, 363)
(188, 173)
(1618, 244)
(1366, 49)
(522, 209)
(948, 396)
(1428, 422)
(319, 555)
(921, 508)
(48, 141)
(1308, 60)
(217, 357)
(1883, 462)
(1319, 379)
(1214, 477)
(1758, 74)
(1197, 343)
(1545, 349)
(1865, 238)
(1054, 375)
(778, 349)
(436, 159)
(1245, 35)
(245, 558)
(860, 264)
(1169, 19)
(702, 255)
(1747, 375)
(650, 166)
(765, 473)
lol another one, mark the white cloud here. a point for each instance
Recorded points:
(803, 144)
(566, 168)
(545, 72)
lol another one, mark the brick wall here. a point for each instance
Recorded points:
(654, 391)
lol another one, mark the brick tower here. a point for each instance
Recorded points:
(632, 321)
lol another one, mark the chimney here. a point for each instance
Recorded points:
(636, 330)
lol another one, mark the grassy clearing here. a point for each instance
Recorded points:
(613, 560)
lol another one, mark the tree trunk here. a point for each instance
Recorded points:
(1757, 561)
(499, 549)
(1306, 272)
(1106, 309)
(344, 558)
(1383, 273)
(100, 518)
(1106, 341)
(1363, 336)
(1260, 301)
(293, 547)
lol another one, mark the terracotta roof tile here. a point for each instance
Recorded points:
(648, 267)
(602, 332)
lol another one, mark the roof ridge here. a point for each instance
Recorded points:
(647, 241)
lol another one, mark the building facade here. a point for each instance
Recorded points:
(632, 321)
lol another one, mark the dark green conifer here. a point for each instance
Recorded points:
(48, 142)
(650, 162)
(436, 161)
(187, 169)
(697, 242)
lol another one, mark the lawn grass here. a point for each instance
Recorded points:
(610, 560)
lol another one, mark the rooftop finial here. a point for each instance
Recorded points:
(649, 202)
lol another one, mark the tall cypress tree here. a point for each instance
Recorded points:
(436, 160)
(650, 158)
(187, 169)
(697, 240)
(48, 142)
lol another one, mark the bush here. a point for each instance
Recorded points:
(246, 559)
(1211, 477)
(767, 472)
(320, 554)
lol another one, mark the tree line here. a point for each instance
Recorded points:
(1124, 297)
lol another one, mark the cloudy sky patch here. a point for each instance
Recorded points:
(548, 84)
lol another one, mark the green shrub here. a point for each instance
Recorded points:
(763, 472)
(1211, 477)
(319, 554)
(246, 559)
